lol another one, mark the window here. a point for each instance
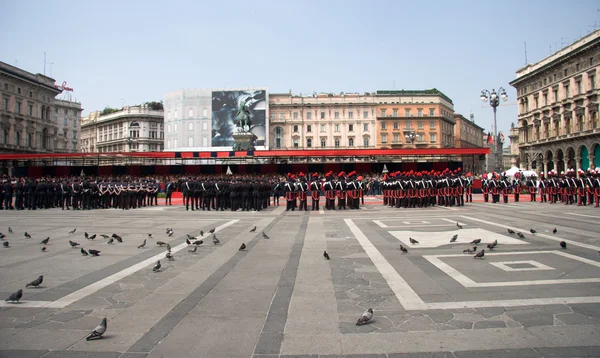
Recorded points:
(322, 128)
(190, 126)
(591, 61)
(323, 142)
(309, 115)
(545, 99)
(175, 143)
(322, 115)
(420, 124)
(395, 110)
(309, 128)
(384, 138)
(578, 86)
(17, 138)
(337, 128)
(5, 103)
(66, 122)
(419, 112)
(337, 142)
(205, 112)
(592, 82)
(336, 115)
(169, 129)
(19, 90)
(365, 114)
(567, 94)
(175, 115)
(366, 141)
(295, 128)
(277, 142)
(366, 127)
(204, 126)
(168, 115)
(350, 142)
(396, 138)
(536, 102)
(29, 140)
(431, 124)
(383, 125)
(19, 107)
(309, 142)
(407, 112)
(431, 112)
(396, 125)
(190, 113)
(281, 116)
(175, 127)
(555, 76)
(30, 110)
(190, 142)
(383, 112)
(295, 142)
(555, 95)
(350, 127)
(295, 115)
(581, 123)
(577, 67)
(407, 124)
(350, 114)
(432, 137)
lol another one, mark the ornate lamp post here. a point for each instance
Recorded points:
(494, 99)
(411, 136)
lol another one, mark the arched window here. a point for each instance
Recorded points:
(45, 138)
(17, 138)
(190, 142)
(278, 137)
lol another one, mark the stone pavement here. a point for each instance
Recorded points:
(281, 298)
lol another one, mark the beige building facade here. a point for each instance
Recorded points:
(67, 115)
(558, 109)
(322, 121)
(27, 120)
(132, 129)
(467, 134)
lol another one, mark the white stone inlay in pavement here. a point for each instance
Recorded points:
(507, 266)
(428, 239)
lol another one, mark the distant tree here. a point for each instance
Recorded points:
(155, 106)
(108, 110)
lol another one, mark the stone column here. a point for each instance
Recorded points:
(556, 168)
(577, 165)
(545, 167)
(592, 158)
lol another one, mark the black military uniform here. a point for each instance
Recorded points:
(65, 192)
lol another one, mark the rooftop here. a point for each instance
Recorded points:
(410, 93)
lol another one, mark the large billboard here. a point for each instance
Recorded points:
(227, 105)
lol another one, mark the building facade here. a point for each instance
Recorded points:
(67, 115)
(513, 136)
(188, 117)
(27, 121)
(414, 119)
(322, 121)
(467, 134)
(558, 109)
(132, 129)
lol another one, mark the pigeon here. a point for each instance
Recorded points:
(458, 225)
(117, 237)
(73, 231)
(520, 235)
(170, 233)
(187, 241)
(454, 238)
(265, 236)
(242, 247)
(403, 249)
(168, 229)
(554, 231)
(98, 331)
(366, 317)
(168, 247)
(470, 251)
(198, 242)
(532, 231)
(253, 229)
(193, 251)
(412, 241)
(157, 267)
(479, 255)
(169, 256)
(104, 236)
(215, 240)
(86, 235)
(111, 241)
(73, 244)
(92, 237)
(563, 244)
(43, 248)
(27, 235)
(325, 255)
(83, 252)
(201, 233)
(36, 283)
(149, 236)
(5, 244)
(189, 237)
(45, 241)
(142, 245)
(476, 241)
(2, 236)
(511, 231)
(495, 243)
(15, 297)
(490, 246)
(10, 230)
(159, 243)
(94, 252)
(212, 231)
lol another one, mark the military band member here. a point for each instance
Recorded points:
(8, 195)
(289, 189)
(485, 188)
(169, 189)
(532, 187)
(581, 188)
(302, 189)
(589, 183)
(315, 191)
(329, 188)
(340, 188)
(469, 188)
(516, 186)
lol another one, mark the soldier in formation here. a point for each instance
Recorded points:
(581, 188)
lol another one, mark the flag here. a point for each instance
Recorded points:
(490, 138)
(501, 137)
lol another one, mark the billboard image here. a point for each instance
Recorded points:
(226, 105)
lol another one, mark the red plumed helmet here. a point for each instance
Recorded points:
(301, 175)
(315, 175)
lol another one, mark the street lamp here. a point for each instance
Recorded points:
(129, 141)
(494, 99)
(411, 136)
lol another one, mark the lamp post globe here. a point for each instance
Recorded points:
(494, 98)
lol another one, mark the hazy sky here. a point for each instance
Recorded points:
(115, 53)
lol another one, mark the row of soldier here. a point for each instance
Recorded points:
(567, 188)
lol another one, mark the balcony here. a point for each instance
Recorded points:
(569, 136)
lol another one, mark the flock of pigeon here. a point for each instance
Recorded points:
(98, 332)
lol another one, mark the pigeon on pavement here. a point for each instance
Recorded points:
(242, 247)
(412, 241)
(15, 297)
(83, 252)
(563, 244)
(216, 241)
(325, 255)
(5, 244)
(403, 249)
(73, 231)
(98, 331)
(94, 252)
(253, 229)
(36, 283)
(157, 267)
(265, 236)
(366, 317)
(45, 241)
(73, 244)
(511, 231)
(554, 231)
(476, 241)
(142, 245)
(479, 255)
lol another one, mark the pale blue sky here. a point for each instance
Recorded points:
(125, 52)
